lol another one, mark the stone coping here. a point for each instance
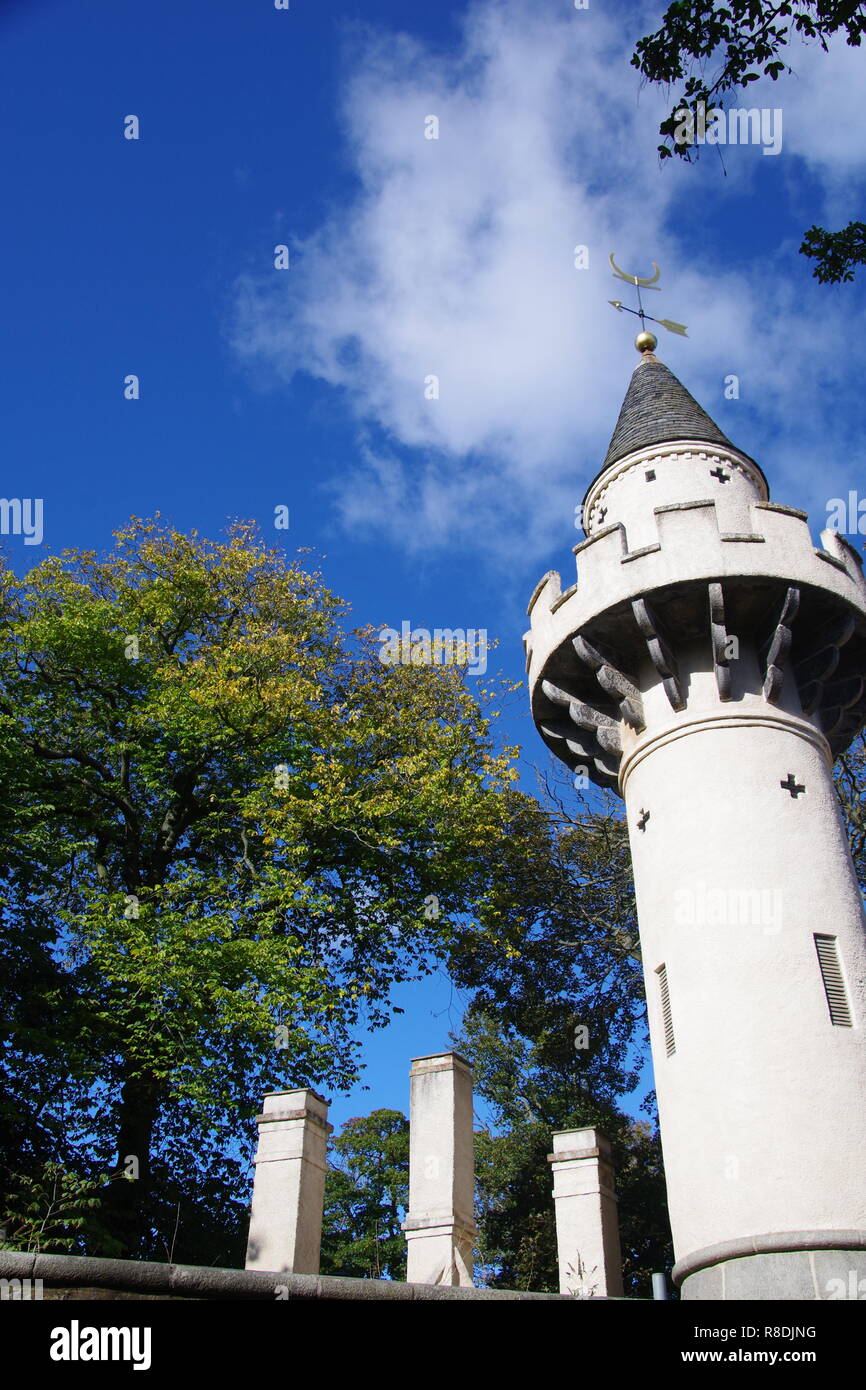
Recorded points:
(96, 1278)
(781, 1242)
(439, 1061)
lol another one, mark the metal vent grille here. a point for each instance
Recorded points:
(834, 983)
(667, 1018)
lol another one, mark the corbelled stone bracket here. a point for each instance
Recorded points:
(660, 653)
(719, 636)
(843, 707)
(614, 682)
(588, 734)
(815, 669)
(776, 651)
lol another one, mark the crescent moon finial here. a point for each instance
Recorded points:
(644, 281)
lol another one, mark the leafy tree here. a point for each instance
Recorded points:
(837, 253)
(228, 829)
(561, 878)
(556, 1031)
(714, 49)
(49, 1210)
(533, 1095)
(366, 1197)
(851, 786)
(557, 954)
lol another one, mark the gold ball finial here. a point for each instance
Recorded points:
(645, 341)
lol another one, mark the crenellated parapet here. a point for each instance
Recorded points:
(596, 650)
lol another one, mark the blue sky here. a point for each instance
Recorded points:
(409, 258)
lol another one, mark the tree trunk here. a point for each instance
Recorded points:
(127, 1207)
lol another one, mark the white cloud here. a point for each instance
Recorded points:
(823, 107)
(821, 101)
(455, 258)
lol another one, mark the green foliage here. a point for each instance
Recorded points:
(851, 787)
(562, 881)
(557, 949)
(744, 38)
(837, 253)
(46, 1212)
(366, 1197)
(223, 822)
(531, 1096)
(514, 1208)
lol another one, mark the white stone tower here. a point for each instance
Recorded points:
(709, 664)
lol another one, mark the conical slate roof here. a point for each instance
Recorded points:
(658, 409)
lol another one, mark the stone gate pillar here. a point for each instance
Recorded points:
(440, 1225)
(289, 1187)
(587, 1221)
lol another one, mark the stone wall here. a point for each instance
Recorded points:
(79, 1277)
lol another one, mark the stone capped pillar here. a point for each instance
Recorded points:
(587, 1221)
(289, 1187)
(440, 1226)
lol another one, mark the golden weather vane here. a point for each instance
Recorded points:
(648, 283)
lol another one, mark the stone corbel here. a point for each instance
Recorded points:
(589, 735)
(614, 682)
(839, 697)
(719, 637)
(660, 653)
(815, 669)
(778, 648)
